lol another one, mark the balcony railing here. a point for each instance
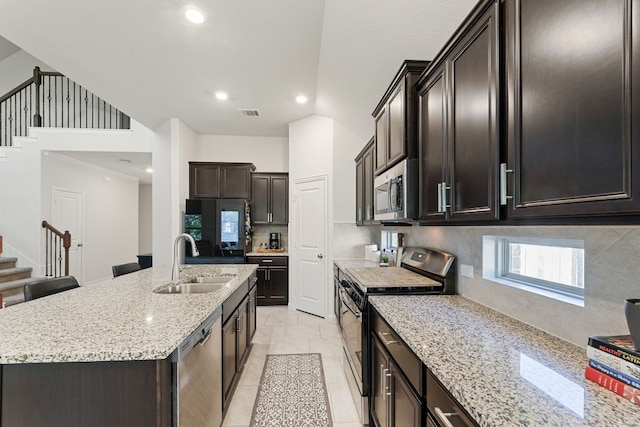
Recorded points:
(49, 99)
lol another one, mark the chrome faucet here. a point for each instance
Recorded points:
(175, 270)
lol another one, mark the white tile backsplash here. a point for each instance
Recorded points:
(612, 273)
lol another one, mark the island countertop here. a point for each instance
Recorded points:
(502, 371)
(113, 320)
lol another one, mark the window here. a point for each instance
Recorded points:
(552, 267)
(389, 240)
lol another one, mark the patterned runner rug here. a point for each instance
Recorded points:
(292, 393)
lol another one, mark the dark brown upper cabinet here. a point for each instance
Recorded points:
(270, 198)
(364, 184)
(220, 180)
(573, 124)
(459, 123)
(396, 118)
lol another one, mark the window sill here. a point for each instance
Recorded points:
(535, 290)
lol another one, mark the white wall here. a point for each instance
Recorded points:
(268, 154)
(21, 213)
(145, 219)
(18, 68)
(310, 147)
(161, 195)
(345, 148)
(174, 145)
(110, 212)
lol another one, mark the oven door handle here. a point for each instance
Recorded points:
(344, 297)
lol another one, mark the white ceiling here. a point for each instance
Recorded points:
(146, 59)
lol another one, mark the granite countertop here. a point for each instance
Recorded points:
(502, 371)
(114, 319)
(255, 253)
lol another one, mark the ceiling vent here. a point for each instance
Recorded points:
(249, 112)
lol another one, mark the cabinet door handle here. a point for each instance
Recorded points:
(445, 205)
(383, 336)
(439, 197)
(387, 378)
(382, 381)
(503, 184)
(359, 214)
(444, 416)
(239, 323)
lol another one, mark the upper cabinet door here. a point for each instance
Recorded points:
(433, 134)
(360, 191)
(204, 180)
(459, 128)
(270, 198)
(280, 199)
(235, 181)
(474, 136)
(260, 209)
(573, 123)
(396, 145)
(382, 140)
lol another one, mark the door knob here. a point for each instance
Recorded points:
(320, 256)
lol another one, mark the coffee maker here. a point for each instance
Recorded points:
(274, 240)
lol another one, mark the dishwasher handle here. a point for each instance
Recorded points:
(205, 337)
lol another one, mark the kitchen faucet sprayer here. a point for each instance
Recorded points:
(175, 270)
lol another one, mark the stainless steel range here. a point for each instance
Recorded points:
(422, 271)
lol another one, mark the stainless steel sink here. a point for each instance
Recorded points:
(198, 285)
(211, 279)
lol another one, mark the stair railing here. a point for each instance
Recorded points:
(57, 246)
(49, 99)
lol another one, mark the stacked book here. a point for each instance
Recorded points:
(614, 363)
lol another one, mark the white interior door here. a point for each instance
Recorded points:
(310, 231)
(67, 214)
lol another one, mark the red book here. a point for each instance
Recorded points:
(610, 383)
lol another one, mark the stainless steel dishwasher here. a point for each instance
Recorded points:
(197, 376)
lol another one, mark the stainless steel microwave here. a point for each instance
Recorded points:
(396, 193)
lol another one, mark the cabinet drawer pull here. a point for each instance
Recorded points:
(267, 261)
(383, 336)
(444, 416)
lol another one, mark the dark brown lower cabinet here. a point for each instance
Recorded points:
(273, 279)
(393, 401)
(236, 340)
(74, 394)
(251, 316)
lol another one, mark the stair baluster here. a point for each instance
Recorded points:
(57, 246)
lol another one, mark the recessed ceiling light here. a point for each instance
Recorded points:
(194, 15)
(301, 99)
(222, 96)
(149, 170)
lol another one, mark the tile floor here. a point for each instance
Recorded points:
(281, 330)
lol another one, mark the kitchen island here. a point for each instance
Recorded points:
(101, 353)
